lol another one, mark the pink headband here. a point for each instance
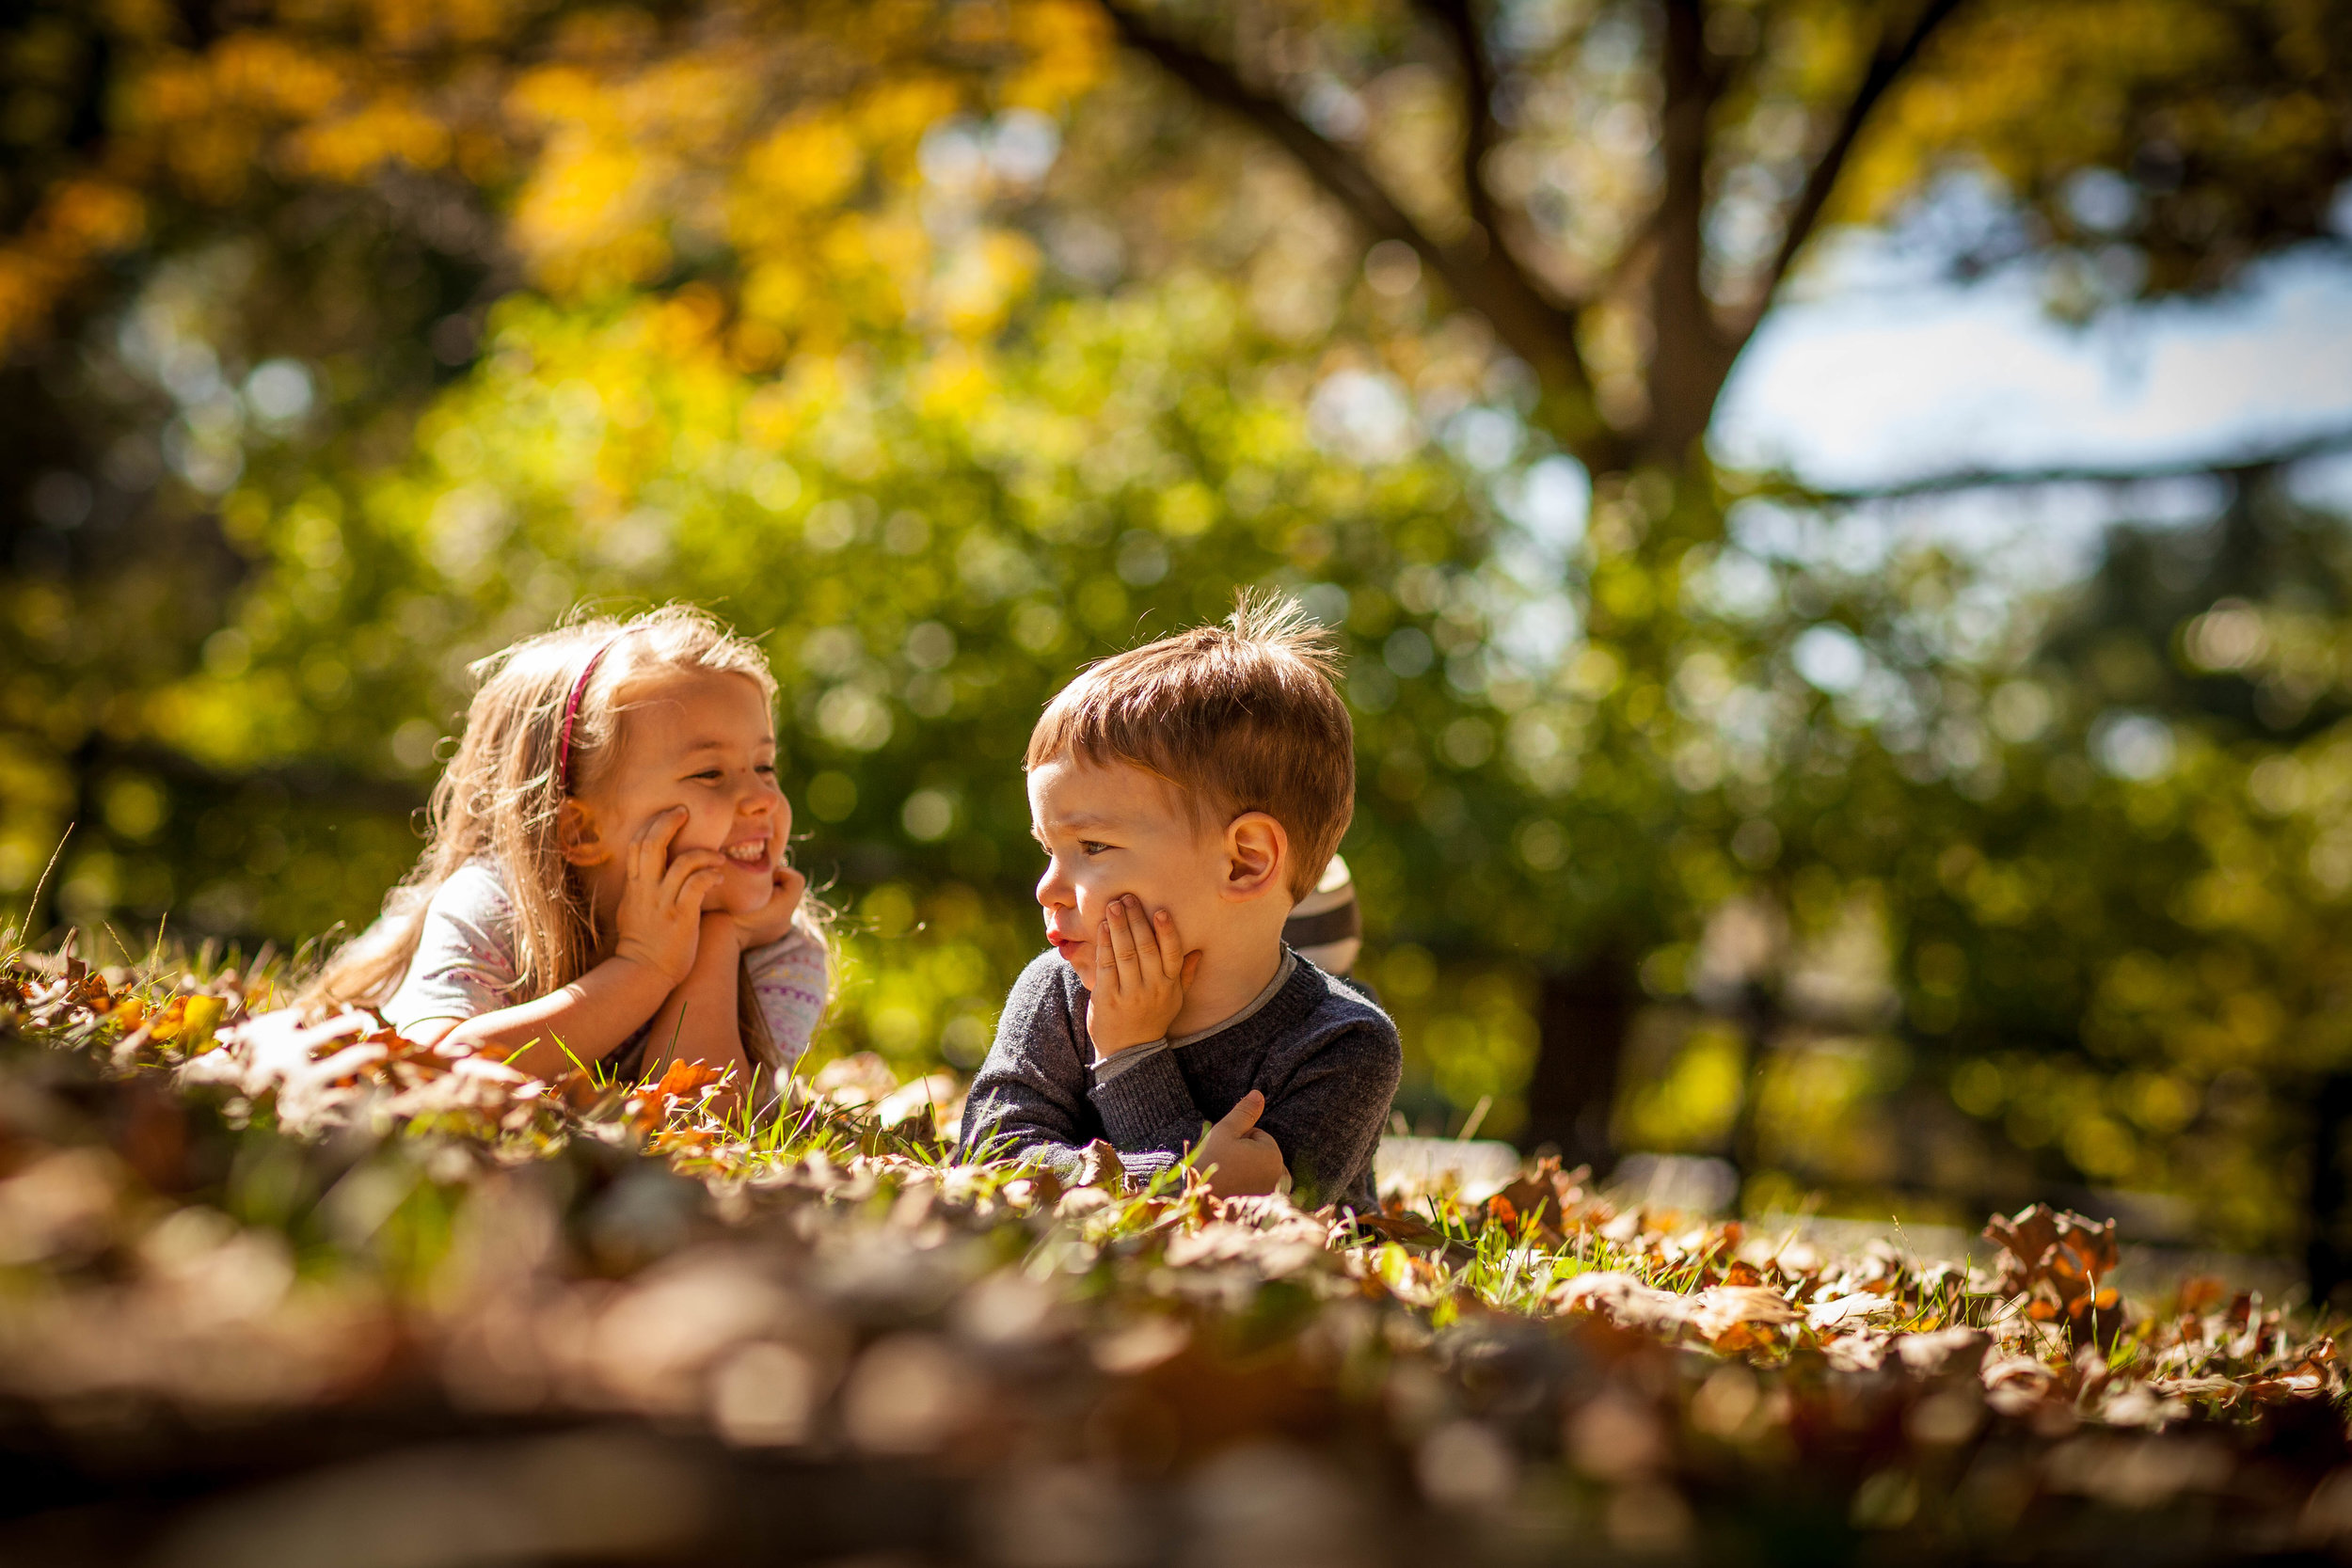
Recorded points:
(571, 714)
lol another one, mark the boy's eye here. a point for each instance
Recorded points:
(1090, 847)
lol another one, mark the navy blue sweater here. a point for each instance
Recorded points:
(1326, 1059)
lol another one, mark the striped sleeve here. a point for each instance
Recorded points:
(791, 980)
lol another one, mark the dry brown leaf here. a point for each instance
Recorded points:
(1715, 1313)
(2061, 1262)
(1620, 1297)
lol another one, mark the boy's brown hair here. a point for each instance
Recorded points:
(1237, 718)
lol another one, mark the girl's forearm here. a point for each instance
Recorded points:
(579, 1023)
(698, 1020)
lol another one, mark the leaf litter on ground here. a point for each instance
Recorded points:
(218, 1215)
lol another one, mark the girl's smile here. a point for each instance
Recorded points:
(702, 740)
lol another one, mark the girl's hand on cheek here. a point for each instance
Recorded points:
(660, 918)
(772, 921)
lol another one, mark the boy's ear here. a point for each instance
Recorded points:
(576, 838)
(1257, 856)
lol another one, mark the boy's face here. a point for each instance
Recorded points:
(1113, 828)
(703, 739)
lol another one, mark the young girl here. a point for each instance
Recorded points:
(605, 878)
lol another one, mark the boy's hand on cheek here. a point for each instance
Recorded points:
(1141, 971)
(1241, 1159)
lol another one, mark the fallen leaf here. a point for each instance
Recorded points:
(1823, 1316)
(1620, 1297)
(1715, 1312)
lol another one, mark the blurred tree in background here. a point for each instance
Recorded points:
(946, 346)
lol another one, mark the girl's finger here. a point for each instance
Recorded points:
(665, 827)
(658, 830)
(691, 889)
(668, 817)
(689, 864)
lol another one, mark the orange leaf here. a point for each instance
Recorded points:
(2200, 1291)
(685, 1078)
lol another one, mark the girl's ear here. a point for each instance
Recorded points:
(1257, 852)
(576, 838)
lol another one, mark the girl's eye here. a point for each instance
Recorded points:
(708, 774)
(765, 769)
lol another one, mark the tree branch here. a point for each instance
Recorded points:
(2321, 445)
(1483, 277)
(1332, 166)
(1690, 355)
(1478, 130)
(1894, 57)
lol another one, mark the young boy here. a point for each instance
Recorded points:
(1187, 795)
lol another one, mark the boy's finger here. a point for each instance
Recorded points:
(1171, 946)
(1192, 967)
(1243, 1117)
(1106, 962)
(1123, 944)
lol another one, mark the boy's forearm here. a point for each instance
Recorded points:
(1148, 1108)
(1065, 1158)
(1328, 1124)
(577, 1023)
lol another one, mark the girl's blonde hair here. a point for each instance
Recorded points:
(500, 795)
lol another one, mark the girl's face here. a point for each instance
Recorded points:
(703, 739)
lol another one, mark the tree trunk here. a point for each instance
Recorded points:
(1583, 1018)
(1689, 358)
(2329, 1231)
(42, 920)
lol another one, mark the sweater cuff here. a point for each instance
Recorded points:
(1148, 1107)
(1143, 1167)
(1113, 1065)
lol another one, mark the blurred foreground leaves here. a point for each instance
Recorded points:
(272, 1293)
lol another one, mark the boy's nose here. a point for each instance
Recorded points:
(1052, 891)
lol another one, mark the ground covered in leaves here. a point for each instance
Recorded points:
(276, 1293)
